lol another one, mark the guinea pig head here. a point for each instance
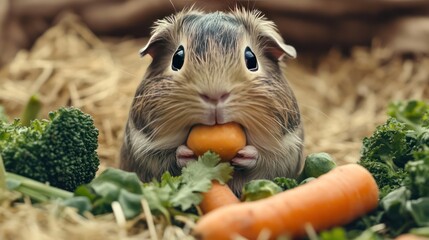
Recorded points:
(214, 68)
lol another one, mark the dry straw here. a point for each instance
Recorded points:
(342, 100)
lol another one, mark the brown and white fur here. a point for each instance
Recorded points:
(214, 86)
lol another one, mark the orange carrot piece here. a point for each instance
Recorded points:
(410, 236)
(219, 195)
(224, 139)
(335, 198)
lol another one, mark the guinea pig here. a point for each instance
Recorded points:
(215, 68)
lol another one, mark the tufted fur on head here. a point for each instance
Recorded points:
(168, 103)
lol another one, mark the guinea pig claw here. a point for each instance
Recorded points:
(184, 156)
(245, 158)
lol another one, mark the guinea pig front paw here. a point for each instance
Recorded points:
(245, 158)
(184, 156)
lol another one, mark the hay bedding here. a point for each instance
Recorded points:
(342, 100)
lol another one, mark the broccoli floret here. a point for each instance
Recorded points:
(386, 177)
(60, 150)
(394, 144)
(386, 152)
(391, 143)
(19, 146)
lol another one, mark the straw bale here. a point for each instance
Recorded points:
(342, 99)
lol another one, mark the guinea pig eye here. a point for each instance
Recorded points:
(178, 59)
(251, 62)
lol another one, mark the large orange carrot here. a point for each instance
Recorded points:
(410, 236)
(335, 198)
(219, 195)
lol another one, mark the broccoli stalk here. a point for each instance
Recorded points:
(35, 190)
(2, 175)
(31, 110)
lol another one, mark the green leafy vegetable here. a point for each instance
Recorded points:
(397, 155)
(419, 210)
(417, 179)
(286, 183)
(412, 111)
(173, 195)
(259, 189)
(317, 164)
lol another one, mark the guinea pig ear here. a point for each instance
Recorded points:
(276, 48)
(156, 45)
(151, 47)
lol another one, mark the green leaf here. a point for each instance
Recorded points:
(107, 190)
(101, 206)
(419, 210)
(158, 199)
(130, 203)
(396, 214)
(190, 194)
(418, 175)
(113, 185)
(413, 111)
(85, 191)
(394, 202)
(207, 167)
(81, 203)
(172, 181)
(127, 180)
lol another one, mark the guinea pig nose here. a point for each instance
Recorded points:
(215, 98)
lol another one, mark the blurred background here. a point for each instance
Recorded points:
(354, 57)
(310, 25)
